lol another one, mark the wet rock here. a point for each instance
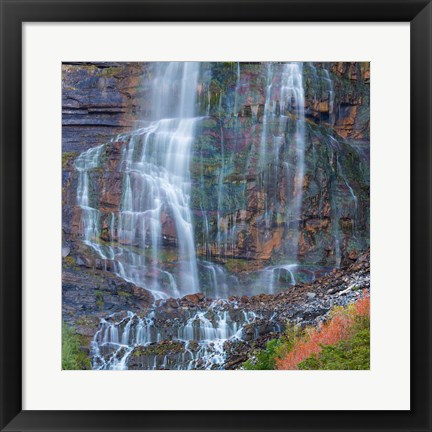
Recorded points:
(84, 262)
(172, 303)
(90, 294)
(192, 298)
(200, 296)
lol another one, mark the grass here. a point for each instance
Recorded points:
(73, 356)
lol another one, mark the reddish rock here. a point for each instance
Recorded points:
(192, 298)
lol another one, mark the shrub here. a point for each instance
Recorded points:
(276, 349)
(330, 333)
(266, 358)
(353, 354)
(343, 324)
(362, 306)
(73, 357)
(343, 342)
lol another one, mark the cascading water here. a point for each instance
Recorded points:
(157, 179)
(293, 100)
(289, 135)
(198, 337)
(151, 240)
(85, 163)
(156, 183)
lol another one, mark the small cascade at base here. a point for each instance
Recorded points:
(194, 340)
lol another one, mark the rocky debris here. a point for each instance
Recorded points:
(302, 304)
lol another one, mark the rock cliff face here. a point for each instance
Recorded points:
(240, 201)
(99, 101)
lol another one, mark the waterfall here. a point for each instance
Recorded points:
(266, 116)
(157, 178)
(237, 88)
(156, 187)
(155, 218)
(330, 96)
(85, 164)
(287, 138)
(293, 101)
(148, 236)
(351, 210)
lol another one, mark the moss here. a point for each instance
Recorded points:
(70, 261)
(99, 299)
(124, 293)
(111, 71)
(73, 356)
(238, 265)
(87, 321)
(68, 157)
(164, 255)
(160, 349)
(138, 352)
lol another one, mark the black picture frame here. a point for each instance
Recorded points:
(16, 12)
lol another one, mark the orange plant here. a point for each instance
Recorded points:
(362, 306)
(338, 328)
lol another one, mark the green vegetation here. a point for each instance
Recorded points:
(275, 349)
(159, 349)
(68, 156)
(70, 261)
(353, 354)
(238, 265)
(73, 356)
(342, 343)
(266, 358)
(111, 71)
(99, 299)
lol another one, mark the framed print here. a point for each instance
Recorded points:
(216, 210)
